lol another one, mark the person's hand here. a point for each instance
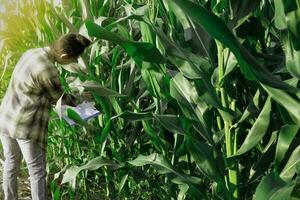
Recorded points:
(75, 84)
(87, 96)
(70, 100)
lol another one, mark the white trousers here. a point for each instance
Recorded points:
(35, 158)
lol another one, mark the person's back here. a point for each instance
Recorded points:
(23, 106)
(24, 112)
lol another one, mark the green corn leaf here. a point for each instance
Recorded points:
(114, 21)
(86, 12)
(147, 34)
(7, 58)
(292, 58)
(206, 96)
(64, 19)
(241, 10)
(117, 107)
(197, 66)
(185, 93)
(100, 90)
(248, 64)
(104, 135)
(136, 116)
(122, 183)
(154, 159)
(287, 101)
(292, 166)
(76, 117)
(164, 167)
(191, 66)
(187, 97)
(251, 109)
(203, 156)
(293, 19)
(272, 187)
(258, 129)
(265, 161)
(156, 141)
(138, 50)
(171, 123)
(280, 21)
(286, 136)
(188, 70)
(180, 15)
(182, 191)
(93, 164)
(155, 80)
(204, 159)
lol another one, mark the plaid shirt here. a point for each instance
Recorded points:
(34, 86)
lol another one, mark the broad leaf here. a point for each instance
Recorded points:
(287, 101)
(292, 58)
(240, 10)
(171, 123)
(76, 117)
(280, 21)
(103, 137)
(93, 164)
(272, 187)
(164, 167)
(293, 19)
(155, 80)
(140, 51)
(292, 165)
(249, 66)
(186, 95)
(204, 159)
(100, 90)
(286, 136)
(258, 129)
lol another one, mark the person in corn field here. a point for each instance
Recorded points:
(24, 111)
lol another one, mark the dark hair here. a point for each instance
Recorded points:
(72, 44)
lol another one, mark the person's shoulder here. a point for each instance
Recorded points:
(36, 56)
(30, 55)
(36, 59)
(34, 51)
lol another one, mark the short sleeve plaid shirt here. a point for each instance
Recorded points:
(34, 86)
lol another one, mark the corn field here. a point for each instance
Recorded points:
(199, 99)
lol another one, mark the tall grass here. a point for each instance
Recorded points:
(198, 99)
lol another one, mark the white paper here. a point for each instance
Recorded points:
(85, 110)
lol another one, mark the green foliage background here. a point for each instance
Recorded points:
(199, 99)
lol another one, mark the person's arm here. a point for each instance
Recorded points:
(50, 84)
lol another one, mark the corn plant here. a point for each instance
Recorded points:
(198, 99)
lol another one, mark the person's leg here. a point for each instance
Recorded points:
(11, 167)
(35, 158)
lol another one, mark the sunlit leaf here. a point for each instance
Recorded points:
(280, 21)
(100, 90)
(93, 164)
(248, 64)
